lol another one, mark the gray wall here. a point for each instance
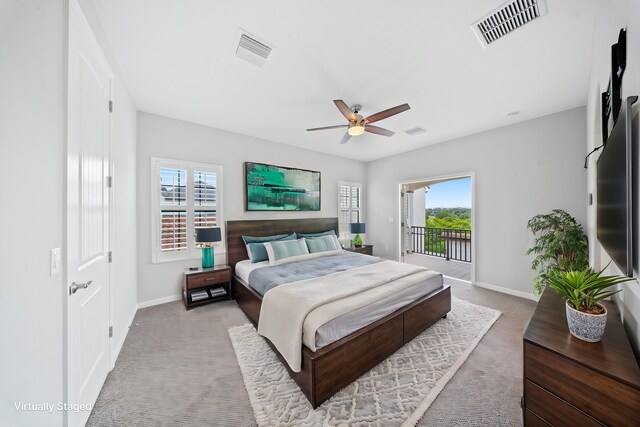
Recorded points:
(520, 170)
(610, 17)
(174, 139)
(32, 40)
(33, 147)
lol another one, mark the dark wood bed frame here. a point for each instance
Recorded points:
(329, 369)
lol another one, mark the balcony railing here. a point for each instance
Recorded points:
(449, 243)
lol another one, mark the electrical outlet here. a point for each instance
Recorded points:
(56, 261)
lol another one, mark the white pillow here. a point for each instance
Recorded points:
(281, 252)
(324, 244)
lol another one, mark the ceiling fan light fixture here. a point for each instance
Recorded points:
(356, 129)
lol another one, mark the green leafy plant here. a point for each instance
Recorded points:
(584, 288)
(560, 246)
(357, 241)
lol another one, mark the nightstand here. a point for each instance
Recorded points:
(364, 249)
(206, 285)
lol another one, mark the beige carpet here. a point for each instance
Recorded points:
(395, 392)
(178, 367)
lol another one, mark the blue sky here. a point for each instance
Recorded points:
(450, 194)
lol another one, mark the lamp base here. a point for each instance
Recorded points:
(357, 241)
(207, 257)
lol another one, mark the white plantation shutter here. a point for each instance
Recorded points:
(349, 205)
(173, 216)
(205, 193)
(173, 231)
(185, 196)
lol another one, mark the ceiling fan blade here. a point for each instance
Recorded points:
(345, 138)
(330, 127)
(344, 109)
(379, 130)
(387, 113)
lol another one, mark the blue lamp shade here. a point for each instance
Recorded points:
(357, 227)
(208, 235)
(205, 237)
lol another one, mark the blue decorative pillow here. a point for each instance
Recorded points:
(323, 244)
(324, 233)
(255, 245)
(281, 252)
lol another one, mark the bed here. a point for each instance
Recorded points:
(336, 364)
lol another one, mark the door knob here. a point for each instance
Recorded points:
(75, 286)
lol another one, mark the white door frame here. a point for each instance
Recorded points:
(471, 175)
(75, 8)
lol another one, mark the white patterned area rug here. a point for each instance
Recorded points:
(396, 392)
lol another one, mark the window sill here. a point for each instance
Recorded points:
(187, 258)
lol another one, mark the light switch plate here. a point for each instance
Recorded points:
(56, 261)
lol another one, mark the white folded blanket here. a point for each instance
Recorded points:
(287, 308)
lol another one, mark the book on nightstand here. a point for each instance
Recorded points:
(216, 292)
(199, 295)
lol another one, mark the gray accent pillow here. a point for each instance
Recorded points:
(324, 233)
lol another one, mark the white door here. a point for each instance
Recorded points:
(87, 217)
(403, 222)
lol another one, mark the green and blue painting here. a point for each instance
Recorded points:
(278, 188)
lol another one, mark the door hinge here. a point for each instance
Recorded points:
(110, 331)
(109, 181)
(110, 256)
(111, 106)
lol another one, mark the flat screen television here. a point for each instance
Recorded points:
(615, 191)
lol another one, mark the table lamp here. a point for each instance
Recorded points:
(357, 227)
(205, 238)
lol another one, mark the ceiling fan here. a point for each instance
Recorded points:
(358, 124)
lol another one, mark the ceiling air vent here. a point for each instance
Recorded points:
(252, 50)
(415, 131)
(507, 18)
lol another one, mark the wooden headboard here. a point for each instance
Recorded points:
(236, 250)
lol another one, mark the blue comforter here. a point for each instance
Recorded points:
(266, 278)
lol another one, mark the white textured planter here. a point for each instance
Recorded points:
(587, 327)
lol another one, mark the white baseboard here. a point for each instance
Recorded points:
(527, 295)
(159, 301)
(116, 350)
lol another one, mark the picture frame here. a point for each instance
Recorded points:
(281, 188)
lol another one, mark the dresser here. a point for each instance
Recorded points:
(569, 382)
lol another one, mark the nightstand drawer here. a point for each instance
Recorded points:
(208, 279)
(364, 249)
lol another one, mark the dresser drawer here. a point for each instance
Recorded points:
(532, 420)
(601, 397)
(205, 279)
(554, 410)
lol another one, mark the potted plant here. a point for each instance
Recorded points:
(583, 290)
(560, 245)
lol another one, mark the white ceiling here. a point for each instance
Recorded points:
(177, 58)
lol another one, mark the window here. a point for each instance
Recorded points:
(349, 205)
(185, 195)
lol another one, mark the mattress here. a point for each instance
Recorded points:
(245, 267)
(348, 323)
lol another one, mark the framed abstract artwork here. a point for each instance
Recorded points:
(279, 188)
